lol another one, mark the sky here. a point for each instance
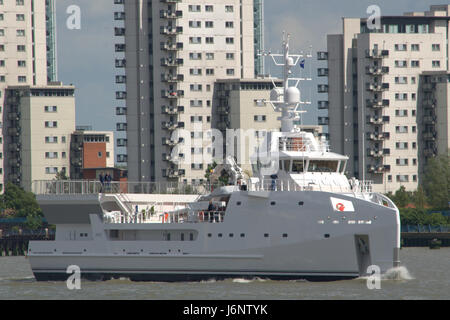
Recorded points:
(86, 56)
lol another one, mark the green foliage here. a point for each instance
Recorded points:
(414, 216)
(436, 182)
(210, 170)
(61, 175)
(17, 203)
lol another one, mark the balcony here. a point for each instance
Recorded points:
(168, 77)
(377, 87)
(323, 121)
(170, 94)
(170, 46)
(169, 14)
(428, 87)
(378, 136)
(429, 135)
(429, 119)
(174, 173)
(429, 103)
(168, 62)
(375, 103)
(323, 105)
(172, 125)
(171, 143)
(376, 153)
(170, 1)
(322, 72)
(170, 31)
(373, 70)
(223, 110)
(377, 169)
(430, 152)
(377, 54)
(322, 55)
(378, 120)
(14, 116)
(14, 147)
(14, 131)
(171, 110)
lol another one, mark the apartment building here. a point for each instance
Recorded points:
(169, 55)
(90, 150)
(373, 89)
(37, 140)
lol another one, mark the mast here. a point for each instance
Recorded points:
(290, 98)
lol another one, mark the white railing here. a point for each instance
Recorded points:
(59, 187)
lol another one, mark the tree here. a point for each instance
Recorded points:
(420, 199)
(61, 175)
(401, 197)
(436, 182)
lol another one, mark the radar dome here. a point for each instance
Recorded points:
(293, 95)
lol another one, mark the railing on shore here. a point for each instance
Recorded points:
(60, 187)
(425, 229)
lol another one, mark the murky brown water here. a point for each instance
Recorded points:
(424, 275)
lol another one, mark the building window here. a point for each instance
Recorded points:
(20, 17)
(229, 9)
(22, 79)
(195, 24)
(195, 8)
(230, 56)
(20, 33)
(415, 63)
(51, 155)
(21, 48)
(230, 72)
(51, 124)
(400, 47)
(229, 40)
(401, 63)
(261, 118)
(415, 47)
(436, 64)
(209, 56)
(209, 72)
(51, 139)
(195, 56)
(21, 63)
(209, 24)
(50, 108)
(229, 24)
(100, 154)
(209, 40)
(436, 47)
(209, 8)
(195, 40)
(402, 178)
(51, 170)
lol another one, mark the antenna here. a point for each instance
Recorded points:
(287, 100)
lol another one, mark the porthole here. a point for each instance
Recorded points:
(273, 203)
(209, 235)
(238, 203)
(301, 203)
(231, 235)
(326, 235)
(219, 235)
(266, 235)
(242, 235)
(285, 235)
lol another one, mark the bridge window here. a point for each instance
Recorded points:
(297, 166)
(322, 166)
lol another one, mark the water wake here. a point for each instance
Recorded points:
(397, 273)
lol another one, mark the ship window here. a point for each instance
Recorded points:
(182, 237)
(220, 235)
(231, 235)
(285, 235)
(301, 203)
(191, 237)
(238, 203)
(297, 166)
(209, 235)
(273, 203)
(242, 235)
(266, 235)
(322, 166)
(326, 235)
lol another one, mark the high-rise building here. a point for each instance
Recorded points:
(27, 54)
(374, 75)
(170, 53)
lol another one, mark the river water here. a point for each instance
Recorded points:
(424, 275)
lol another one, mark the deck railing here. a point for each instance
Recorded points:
(60, 187)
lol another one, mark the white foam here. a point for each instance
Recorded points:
(397, 273)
